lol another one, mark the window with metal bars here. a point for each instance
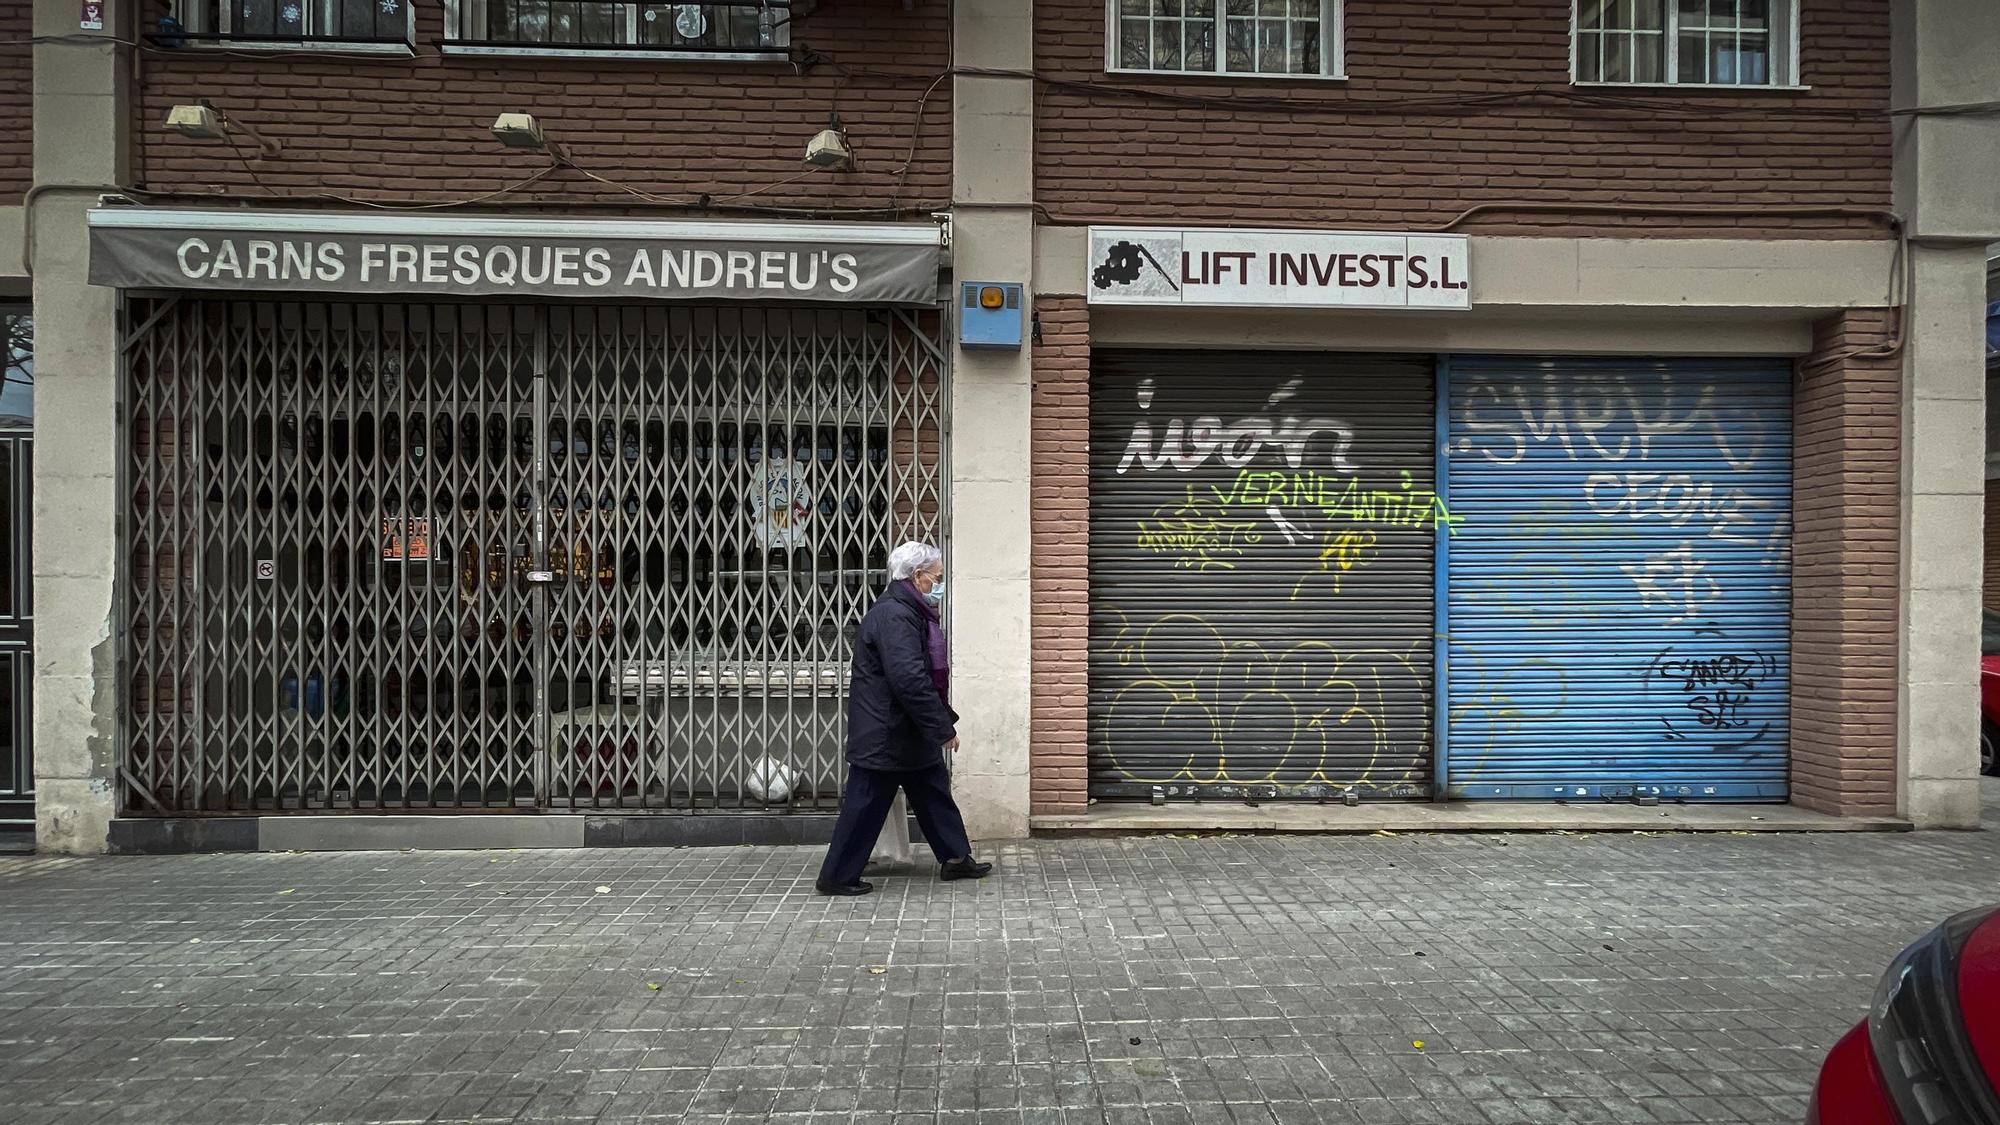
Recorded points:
(1298, 38)
(746, 28)
(329, 22)
(1687, 42)
(469, 556)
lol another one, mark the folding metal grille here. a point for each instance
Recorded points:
(17, 628)
(467, 556)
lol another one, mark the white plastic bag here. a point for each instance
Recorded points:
(770, 780)
(892, 847)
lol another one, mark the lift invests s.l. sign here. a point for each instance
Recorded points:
(1278, 269)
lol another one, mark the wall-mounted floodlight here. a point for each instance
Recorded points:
(521, 130)
(203, 122)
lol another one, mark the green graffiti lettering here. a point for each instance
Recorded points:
(1337, 498)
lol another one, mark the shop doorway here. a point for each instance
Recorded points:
(17, 618)
(477, 557)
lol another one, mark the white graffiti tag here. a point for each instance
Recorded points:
(1615, 418)
(1675, 580)
(1675, 498)
(1186, 446)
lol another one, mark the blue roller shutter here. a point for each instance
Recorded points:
(1618, 577)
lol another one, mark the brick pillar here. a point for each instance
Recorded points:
(1060, 495)
(1846, 552)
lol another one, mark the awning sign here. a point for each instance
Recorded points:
(1278, 269)
(881, 264)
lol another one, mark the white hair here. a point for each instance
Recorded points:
(910, 558)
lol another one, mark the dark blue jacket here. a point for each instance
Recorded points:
(895, 718)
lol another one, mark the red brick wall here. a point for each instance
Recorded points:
(17, 122)
(1060, 495)
(381, 129)
(1102, 156)
(1846, 554)
(1991, 576)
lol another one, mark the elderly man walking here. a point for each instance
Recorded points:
(899, 724)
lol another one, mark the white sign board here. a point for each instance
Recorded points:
(1278, 269)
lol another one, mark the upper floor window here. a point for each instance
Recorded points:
(17, 394)
(1687, 42)
(732, 29)
(1270, 37)
(381, 23)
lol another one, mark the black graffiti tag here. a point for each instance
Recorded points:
(1717, 692)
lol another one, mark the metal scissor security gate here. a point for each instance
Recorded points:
(1262, 535)
(473, 556)
(17, 629)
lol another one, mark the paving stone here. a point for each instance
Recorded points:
(1592, 979)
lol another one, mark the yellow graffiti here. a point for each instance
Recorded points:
(1345, 549)
(1190, 680)
(1509, 704)
(1191, 532)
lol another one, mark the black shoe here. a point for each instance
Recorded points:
(851, 890)
(967, 868)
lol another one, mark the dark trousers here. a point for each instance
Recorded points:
(866, 806)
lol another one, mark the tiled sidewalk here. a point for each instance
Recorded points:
(1549, 978)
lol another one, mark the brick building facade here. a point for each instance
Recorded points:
(1646, 480)
(16, 120)
(392, 128)
(1448, 110)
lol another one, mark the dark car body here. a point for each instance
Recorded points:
(1929, 1051)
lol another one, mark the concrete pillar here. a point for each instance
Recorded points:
(1947, 188)
(1944, 499)
(82, 114)
(992, 240)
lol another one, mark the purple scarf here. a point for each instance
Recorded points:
(934, 644)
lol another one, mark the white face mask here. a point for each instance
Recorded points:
(936, 593)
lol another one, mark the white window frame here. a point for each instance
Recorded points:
(475, 10)
(187, 12)
(1332, 48)
(1784, 52)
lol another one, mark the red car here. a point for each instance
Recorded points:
(1929, 1051)
(1989, 693)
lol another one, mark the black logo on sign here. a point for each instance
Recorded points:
(1123, 264)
